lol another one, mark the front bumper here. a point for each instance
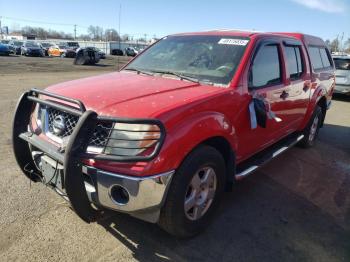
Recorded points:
(342, 89)
(81, 184)
(34, 53)
(141, 193)
(5, 52)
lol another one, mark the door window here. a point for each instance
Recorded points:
(266, 69)
(319, 57)
(325, 59)
(294, 62)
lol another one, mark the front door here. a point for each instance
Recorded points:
(267, 81)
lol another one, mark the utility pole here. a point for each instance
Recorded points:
(120, 11)
(75, 32)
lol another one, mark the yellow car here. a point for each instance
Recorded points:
(57, 50)
(62, 51)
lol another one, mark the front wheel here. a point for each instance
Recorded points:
(311, 130)
(194, 194)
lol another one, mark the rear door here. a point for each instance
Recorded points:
(298, 82)
(322, 64)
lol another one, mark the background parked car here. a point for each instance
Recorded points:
(16, 46)
(45, 47)
(61, 50)
(9, 45)
(342, 74)
(31, 48)
(87, 56)
(4, 49)
(56, 50)
(130, 51)
(5, 42)
(117, 52)
(71, 45)
(70, 51)
(101, 54)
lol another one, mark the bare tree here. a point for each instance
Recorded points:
(328, 43)
(125, 37)
(335, 45)
(85, 37)
(96, 32)
(111, 35)
(347, 45)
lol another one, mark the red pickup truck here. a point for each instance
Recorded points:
(181, 123)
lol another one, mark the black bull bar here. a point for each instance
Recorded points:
(70, 156)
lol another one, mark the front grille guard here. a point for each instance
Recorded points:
(71, 156)
(29, 99)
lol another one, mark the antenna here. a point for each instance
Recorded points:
(0, 27)
(119, 38)
(120, 12)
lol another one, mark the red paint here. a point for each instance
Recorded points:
(193, 113)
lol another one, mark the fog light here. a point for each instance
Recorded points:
(119, 195)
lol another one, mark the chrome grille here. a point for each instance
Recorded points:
(100, 134)
(70, 121)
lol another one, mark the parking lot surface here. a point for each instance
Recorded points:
(296, 208)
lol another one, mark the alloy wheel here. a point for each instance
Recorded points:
(200, 193)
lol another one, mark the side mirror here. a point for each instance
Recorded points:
(260, 112)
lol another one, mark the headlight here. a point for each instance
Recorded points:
(132, 139)
(37, 114)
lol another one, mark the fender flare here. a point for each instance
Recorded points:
(316, 97)
(192, 131)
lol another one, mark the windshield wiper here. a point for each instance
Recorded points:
(138, 71)
(181, 76)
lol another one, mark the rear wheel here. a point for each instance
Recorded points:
(194, 194)
(311, 130)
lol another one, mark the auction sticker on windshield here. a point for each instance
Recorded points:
(230, 41)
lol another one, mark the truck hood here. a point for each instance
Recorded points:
(127, 94)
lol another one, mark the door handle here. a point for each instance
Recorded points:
(284, 95)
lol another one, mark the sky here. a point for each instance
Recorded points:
(324, 18)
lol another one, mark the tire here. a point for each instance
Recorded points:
(311, 130)
(200, 163)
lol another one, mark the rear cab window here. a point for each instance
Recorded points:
(320, 58)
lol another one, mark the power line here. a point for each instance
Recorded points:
(40, 22)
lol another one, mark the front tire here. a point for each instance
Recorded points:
(311, 130)
(194, 194)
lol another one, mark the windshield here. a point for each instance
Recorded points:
(18, 43)
(342, 64)
(31, 44)
(5, 41)
(46, 44)
(73, 44)
(211, 59)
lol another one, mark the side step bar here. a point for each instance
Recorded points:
(249, 166)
